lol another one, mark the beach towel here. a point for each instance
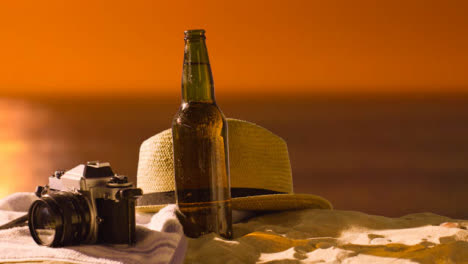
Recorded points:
(160, 239)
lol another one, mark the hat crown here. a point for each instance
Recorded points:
(258, 160)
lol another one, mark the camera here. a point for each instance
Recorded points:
(85, 205)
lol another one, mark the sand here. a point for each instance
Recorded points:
(334, 236)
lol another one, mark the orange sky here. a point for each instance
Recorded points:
(255, 46)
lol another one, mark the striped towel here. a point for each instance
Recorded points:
(160, 239)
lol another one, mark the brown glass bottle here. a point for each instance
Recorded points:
(201, 162)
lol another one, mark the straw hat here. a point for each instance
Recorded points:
(260, 172)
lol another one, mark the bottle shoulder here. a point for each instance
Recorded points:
(199, 113)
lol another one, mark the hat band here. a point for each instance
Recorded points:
(169, 197)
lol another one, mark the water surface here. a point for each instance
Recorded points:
(382, 155)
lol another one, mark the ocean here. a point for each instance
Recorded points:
(380, 154)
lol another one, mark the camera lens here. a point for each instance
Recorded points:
(44, 223)
(60, 219)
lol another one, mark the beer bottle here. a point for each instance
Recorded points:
(201, 161)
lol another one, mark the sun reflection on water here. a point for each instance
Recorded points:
(18, 163)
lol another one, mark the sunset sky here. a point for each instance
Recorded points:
(136, 47)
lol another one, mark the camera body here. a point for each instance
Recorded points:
(85, 205)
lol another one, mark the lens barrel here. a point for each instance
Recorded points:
(60, 219)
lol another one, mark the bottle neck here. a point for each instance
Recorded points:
(197, 80)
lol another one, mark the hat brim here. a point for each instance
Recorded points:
(270, 202)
